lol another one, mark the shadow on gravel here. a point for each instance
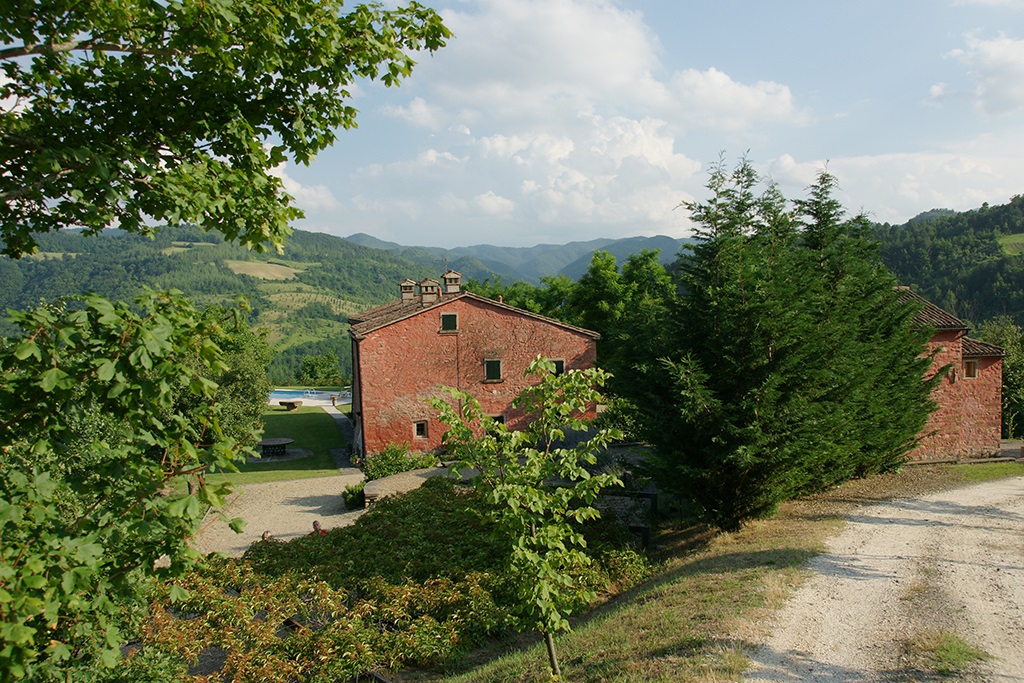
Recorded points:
(956, 512)
(847, 567)
(796, 667)
(322, 504)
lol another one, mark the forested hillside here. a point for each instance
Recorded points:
(969, 263)
(302, 299)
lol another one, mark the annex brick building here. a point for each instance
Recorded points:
(437, 335)
(967, 422)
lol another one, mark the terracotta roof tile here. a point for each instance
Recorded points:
(391, 312)
(363, 323)
(979, 349)
(930, 314)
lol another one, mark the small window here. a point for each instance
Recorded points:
(421, 429)
(492, 370)
(559, 367)
(449, 322)
(497, 420)
(971, 369)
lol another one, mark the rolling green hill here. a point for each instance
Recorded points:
(971, 263)
(302, 299)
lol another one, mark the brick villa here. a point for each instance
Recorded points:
(437, 335)
(434, 336)
(967, 422)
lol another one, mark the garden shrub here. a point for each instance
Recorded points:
(354, 497)
(430, 532)
(395, 458)
(417, 581)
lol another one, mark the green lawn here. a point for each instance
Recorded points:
(313, 430)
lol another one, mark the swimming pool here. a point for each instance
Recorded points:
(286, 394)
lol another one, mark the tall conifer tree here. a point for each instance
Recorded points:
(794, 367)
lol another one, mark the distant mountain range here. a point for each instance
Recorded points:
(529, 264)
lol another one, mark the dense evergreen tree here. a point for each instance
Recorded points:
(790, 365)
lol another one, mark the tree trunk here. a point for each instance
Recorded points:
(549, 640)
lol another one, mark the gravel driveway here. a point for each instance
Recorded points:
(951, 562)
(284, 508)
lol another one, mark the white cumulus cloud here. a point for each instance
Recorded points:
(308, 197)
(997, 67)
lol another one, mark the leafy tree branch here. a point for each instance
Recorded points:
(538, 490)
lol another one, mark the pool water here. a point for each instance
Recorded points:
(286, 394)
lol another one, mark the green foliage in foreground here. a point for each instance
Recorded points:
(537, 491)
(219, 94)
(417, 580)
(92, 438)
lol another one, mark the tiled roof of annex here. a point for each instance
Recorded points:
(930, 314)
(933, 316)
(366, 322)
(972, 348)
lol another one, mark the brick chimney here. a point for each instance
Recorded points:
(408, 289)
(430, 291)
(452, 282)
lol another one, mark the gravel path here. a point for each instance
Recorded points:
(284, 508)
(951, 562)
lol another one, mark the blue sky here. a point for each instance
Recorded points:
(550, 121)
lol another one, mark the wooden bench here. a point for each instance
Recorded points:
(290, 405)
(275, 448)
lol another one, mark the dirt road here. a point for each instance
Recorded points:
(900, 575)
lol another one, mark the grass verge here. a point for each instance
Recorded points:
(942, 653)
(709, 601)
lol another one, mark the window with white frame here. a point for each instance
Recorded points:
(420, 427)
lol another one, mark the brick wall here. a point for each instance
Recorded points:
(402, 364)
(966, 421)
